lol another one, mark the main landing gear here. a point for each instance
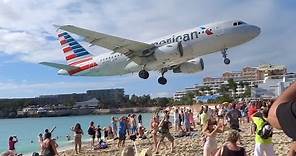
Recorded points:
(224, 54)
(162, 80)
(143, 74)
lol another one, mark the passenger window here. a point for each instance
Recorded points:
(235, 24)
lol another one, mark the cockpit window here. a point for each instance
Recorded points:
(240, 23)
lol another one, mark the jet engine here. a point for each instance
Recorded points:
(190, 66)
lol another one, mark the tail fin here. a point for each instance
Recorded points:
(74, 52)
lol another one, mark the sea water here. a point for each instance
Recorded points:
(27, 129)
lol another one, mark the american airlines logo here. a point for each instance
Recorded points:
(185, 37)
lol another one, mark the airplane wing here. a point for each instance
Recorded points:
(132, 49)
(59, 66)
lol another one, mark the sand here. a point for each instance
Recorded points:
(188, 146)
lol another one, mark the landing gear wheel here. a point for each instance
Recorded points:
(224, 55)
(162, 80)
(227, 61)
(143, 74)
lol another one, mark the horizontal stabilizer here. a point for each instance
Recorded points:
(59, 66)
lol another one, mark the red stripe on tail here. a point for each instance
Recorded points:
(70, 57)
(67, 49)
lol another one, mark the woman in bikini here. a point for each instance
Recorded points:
(154, 130)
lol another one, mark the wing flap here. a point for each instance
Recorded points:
(59, 66)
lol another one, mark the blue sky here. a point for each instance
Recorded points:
(28, 37)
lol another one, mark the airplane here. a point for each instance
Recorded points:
(179, 52)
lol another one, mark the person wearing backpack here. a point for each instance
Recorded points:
(92, 132)
(263, 134)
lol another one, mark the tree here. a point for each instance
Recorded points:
(247, 92)
(232, 84)
(187, 99)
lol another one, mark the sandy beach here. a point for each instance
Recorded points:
(188, 146)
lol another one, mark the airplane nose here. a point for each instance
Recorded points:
(255, 31)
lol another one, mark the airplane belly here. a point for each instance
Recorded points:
(208, 45)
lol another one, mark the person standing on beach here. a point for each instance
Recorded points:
(176, 120)
(11, 144)
(186, 121)
(154, 129)
(230, 148)
(99, 133)
(49, 146)
(191, 118)
(133, 124)
(165, 131)
(78, 132)
(204, 117)
(122, 131)
(262, 144)
(114, 126)
(210, 131)
(233, 117)
(92, 133)
(140, 121)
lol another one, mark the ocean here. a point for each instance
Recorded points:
(27, 129)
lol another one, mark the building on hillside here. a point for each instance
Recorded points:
(178, 95)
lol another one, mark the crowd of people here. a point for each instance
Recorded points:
(262, 115)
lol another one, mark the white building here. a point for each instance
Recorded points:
(273, 86)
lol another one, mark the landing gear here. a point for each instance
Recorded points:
(226, 60)
(224, 54)
(162, 80)
(143, 74)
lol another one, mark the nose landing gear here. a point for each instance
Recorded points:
(224, 54)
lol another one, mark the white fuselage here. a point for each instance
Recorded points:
(196, 42)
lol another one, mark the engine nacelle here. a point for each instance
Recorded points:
(169, 51)
(190, 66)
